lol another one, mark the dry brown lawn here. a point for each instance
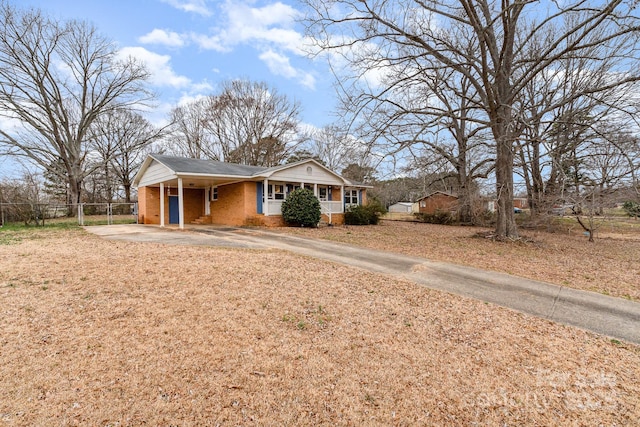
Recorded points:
(103, 333)
(610, 265)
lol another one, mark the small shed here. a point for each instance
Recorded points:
(438, 201)
(401, 207)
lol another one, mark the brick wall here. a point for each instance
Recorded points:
(336, 218)
(336, 194)
(438, 202)
(149, 206)
(193, 204)
(235, 205)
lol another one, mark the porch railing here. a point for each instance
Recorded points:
(332, 207)
(274, 207)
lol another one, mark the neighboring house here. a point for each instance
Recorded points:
(489, 205)
(438, 202)
(177, 190)
(401, 207)
(520, 203)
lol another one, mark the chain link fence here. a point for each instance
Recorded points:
(40, 214)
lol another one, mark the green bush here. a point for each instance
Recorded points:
(632, 208)
(438, 217)
(301, 208)
(364, 215)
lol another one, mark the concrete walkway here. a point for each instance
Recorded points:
(614, 317)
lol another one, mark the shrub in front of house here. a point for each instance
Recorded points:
(438, 217)
(364, 215)
(301, 208)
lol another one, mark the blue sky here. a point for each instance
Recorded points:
(191, 46)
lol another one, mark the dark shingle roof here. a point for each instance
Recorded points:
(182, 165)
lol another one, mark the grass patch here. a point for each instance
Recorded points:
(9, 238)
(57, 225)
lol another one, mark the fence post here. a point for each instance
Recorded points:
(80, 214)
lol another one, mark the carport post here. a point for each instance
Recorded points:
(207, 198)
(265, 197)
(180, 204)
(162, 204)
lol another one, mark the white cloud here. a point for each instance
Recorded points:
(162, 37)
(270, 29)
(280, 65)
(159, 65)
(271, 25)
(193, 6)
(201, 87)
(211, 42)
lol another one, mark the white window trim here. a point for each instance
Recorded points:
(351, 197)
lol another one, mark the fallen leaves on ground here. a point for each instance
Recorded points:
(106, 333)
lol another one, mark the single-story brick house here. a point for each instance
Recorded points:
(438, 201)
(177, 190)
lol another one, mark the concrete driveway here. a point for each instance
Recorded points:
(614, 317)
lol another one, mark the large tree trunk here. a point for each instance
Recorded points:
(537, 203)
(465, 211)
(75, 194)
(127, 192)
(505, 223)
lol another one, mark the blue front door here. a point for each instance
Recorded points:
(174, 212)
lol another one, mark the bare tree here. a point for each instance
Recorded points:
(252, 124)
(336, 148)
(420, 36)
(443, 124)
(122, 139)
(20, 199)
(189, 135)
(56, 79)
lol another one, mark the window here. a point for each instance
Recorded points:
(214, 194)
(276, 192)
(351, 197)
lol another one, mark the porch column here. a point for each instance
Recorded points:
(342, 196)
(180, 205)
(207, 202)
(265, 197)
(315, 190)
(162, 204)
